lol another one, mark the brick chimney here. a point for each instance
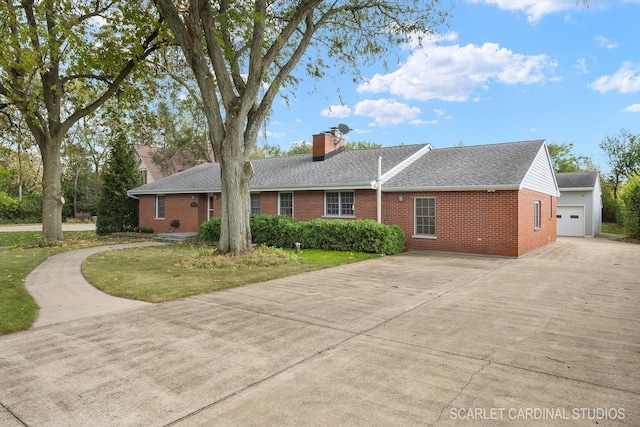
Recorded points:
(327, 144)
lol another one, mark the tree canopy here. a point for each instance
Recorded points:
(623, 156)
(243, 54)
(61, 60)
(564, 159)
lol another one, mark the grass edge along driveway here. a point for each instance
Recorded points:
(20, 253)
(164, 273)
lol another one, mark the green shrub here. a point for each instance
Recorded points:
(631, 198)
(209, 231)
(28, 210)
(273, 230)
(357, 236)
(335, 235)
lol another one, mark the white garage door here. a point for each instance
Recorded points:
(570, 221)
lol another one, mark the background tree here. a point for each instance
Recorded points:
(623, 156)
(564, 160)
(236, 49)
(60, 60)
(631, 206)
(116, 211)
(182, 137)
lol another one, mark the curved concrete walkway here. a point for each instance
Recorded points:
(63, 294)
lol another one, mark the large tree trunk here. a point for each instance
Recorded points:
(52, 199)
(236, 172)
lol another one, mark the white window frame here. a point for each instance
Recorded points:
(415, 218)
(251, 205)
(340, 213)
(537, 211)
(280, 203)
(164, 206)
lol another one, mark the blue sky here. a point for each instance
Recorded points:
(506, 70)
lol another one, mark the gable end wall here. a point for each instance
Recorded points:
(540, 176)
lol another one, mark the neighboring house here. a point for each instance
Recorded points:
(183, 159)
(497, 199)
(580, 204)
(149, 171)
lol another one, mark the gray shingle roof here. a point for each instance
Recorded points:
(499, 165)
(576, 179)
(351, 168)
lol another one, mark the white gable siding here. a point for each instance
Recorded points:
(540, 176)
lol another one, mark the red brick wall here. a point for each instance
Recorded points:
(176, 206)
(466, 221)
(529, 238)
(497, 223)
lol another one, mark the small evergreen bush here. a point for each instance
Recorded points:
(116, 211)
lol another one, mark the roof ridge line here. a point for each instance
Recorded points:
(402, 165)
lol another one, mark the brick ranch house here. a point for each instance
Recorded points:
(495, 199)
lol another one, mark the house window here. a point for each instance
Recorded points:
(159, 207)
(536, 214)
(425, 213)
(285, 204)
(255, 203)
(338, 203)
(143, 176)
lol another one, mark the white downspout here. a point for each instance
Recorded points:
(379, 191)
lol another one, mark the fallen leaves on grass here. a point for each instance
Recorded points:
(263, 256)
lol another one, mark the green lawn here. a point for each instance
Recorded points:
(613, 228)
(163, 273)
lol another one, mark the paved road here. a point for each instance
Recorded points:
(416, 339)
(38, 227)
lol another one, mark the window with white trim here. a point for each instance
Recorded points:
(285, 204)
(339, 203)
(255, 203)
(159, 207)
(536, 214)
(425, 216)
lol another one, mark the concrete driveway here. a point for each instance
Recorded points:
(415, 339)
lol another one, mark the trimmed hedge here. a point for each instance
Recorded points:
(336, 235)
(357, 236)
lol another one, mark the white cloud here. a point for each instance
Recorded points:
(419, 122)
(386, 112)
(625, 80)
(339, 111)
(453, 72)
(534, 9)
(633, 108)
(602, 41)
(275, 134)
(581, 65)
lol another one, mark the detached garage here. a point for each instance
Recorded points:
(579, 211)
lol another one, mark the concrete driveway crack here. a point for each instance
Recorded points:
(448, 404)
(12, 414)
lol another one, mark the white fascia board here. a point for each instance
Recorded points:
(159, 191)
(576, 189)
(488, 188)
(401, 166)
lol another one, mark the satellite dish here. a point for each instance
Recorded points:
(344, 129)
